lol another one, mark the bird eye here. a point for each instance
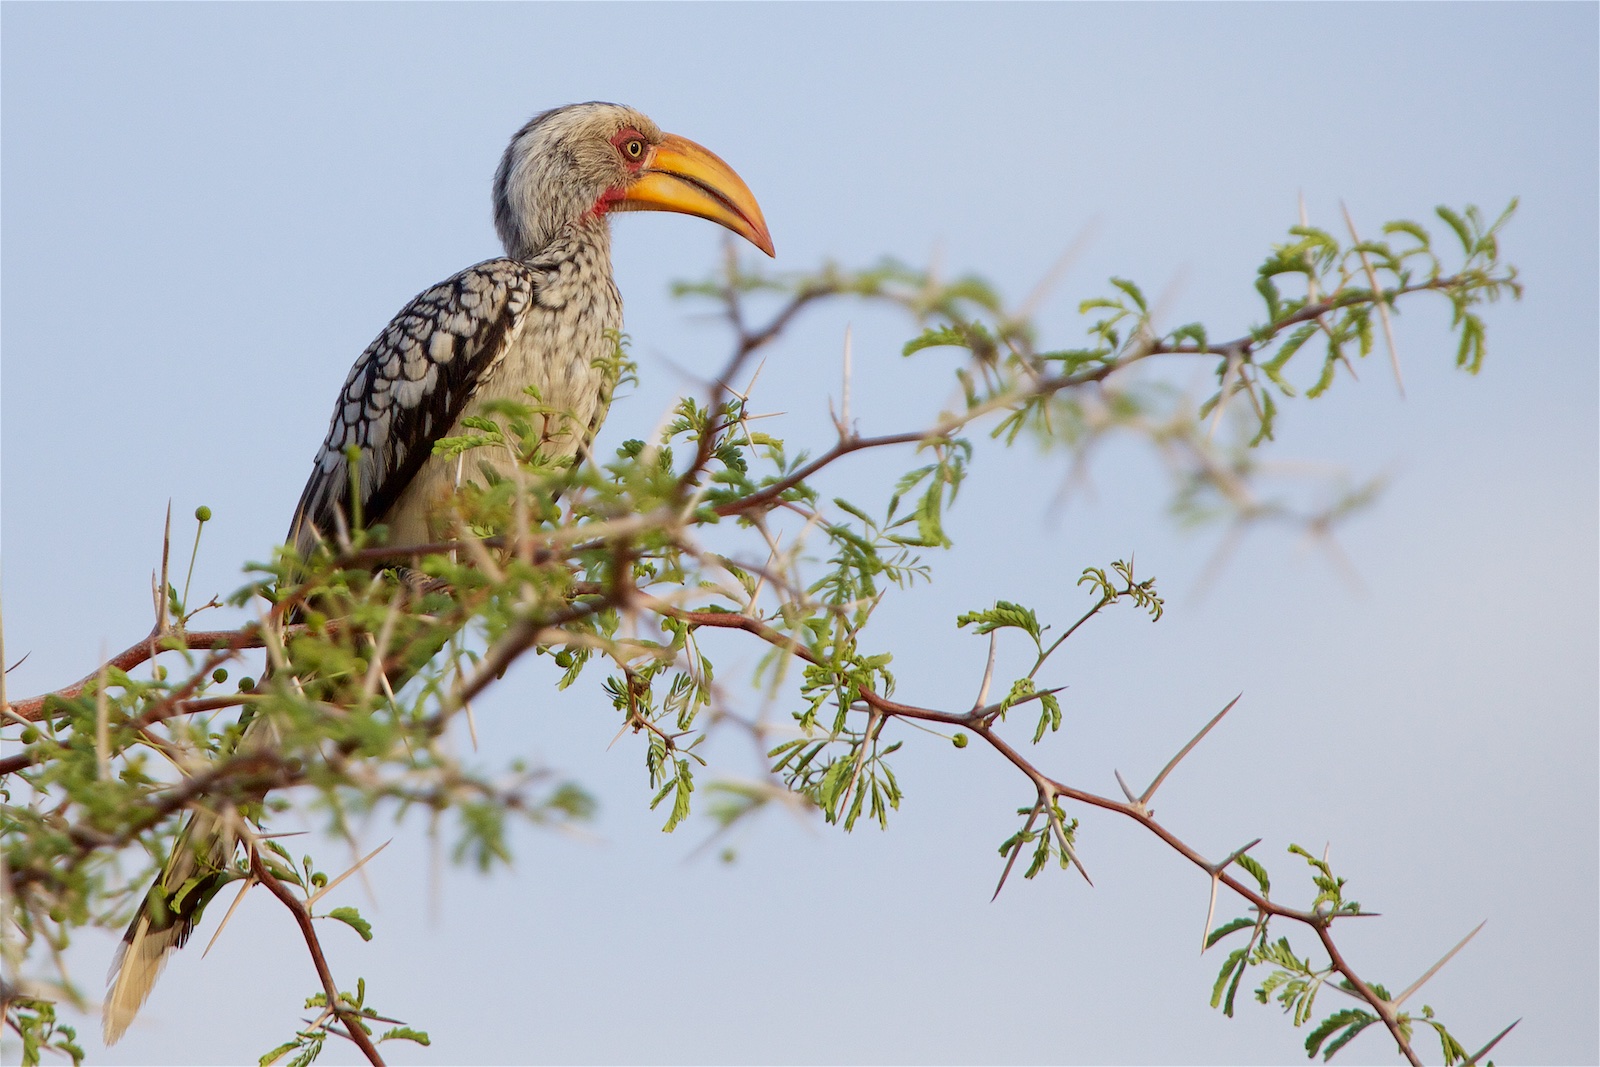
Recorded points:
(633, 148)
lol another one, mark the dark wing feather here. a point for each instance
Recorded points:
(407, 390)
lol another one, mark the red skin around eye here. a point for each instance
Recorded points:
(621, 138)
(611, 196)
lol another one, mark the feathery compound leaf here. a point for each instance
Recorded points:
(1133, 291)
(1459, 225)
(1259, 872)
(1224, 930)
(278, 1053)
(405, 1033)
(938, 337)
(1194, 331)
(1408, 227)
(1351, 1020)
(1020, 689)
(1269, 292)
(352, 918)
(1049, 715)
(1003, 614)
(1227, 983)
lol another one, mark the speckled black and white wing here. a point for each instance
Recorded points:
(407, 390)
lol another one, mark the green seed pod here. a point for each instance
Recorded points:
(959, 740)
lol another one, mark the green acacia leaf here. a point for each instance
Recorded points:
(1193, 331)
(1269, 292)
(352, 918)
(1133, 291)
(1049, 715)
(1459, 225)
(1003, 614)
(1232, 967)
(1096, 302)
(1351, 1020)
(833, 783)
(278, 1053)
(1406, 226)
(938, 337)
(1257, 871)
(1229, 928)
(405, 1033)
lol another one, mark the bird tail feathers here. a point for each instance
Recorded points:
(194, 872)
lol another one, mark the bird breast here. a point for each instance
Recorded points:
(563, 345)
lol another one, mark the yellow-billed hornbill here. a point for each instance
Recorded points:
(546, 315)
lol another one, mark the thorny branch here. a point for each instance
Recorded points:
(145, 649)
(979, 721)
(620, 536)
(355, 1030)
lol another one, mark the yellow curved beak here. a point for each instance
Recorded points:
(684, 177)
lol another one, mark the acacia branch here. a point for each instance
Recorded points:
(356, 1031)
(146, 649)
(253, 771)
(748, 343)
(977, 721)
(1240, 348)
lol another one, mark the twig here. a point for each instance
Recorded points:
(1384, 1009)
(351, 1020)
(173, 704)
(245, 637)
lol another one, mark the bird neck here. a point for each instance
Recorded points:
(587, 239)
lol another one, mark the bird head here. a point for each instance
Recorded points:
(588, 160)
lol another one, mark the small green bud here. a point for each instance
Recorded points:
(959, 740)
(319, 880)
(159, 673)
(219, 675)
(202, 513)
(563, 659)
(29, 735)
(246, 684)
(729, 855)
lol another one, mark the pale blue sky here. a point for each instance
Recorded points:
(209, 211)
